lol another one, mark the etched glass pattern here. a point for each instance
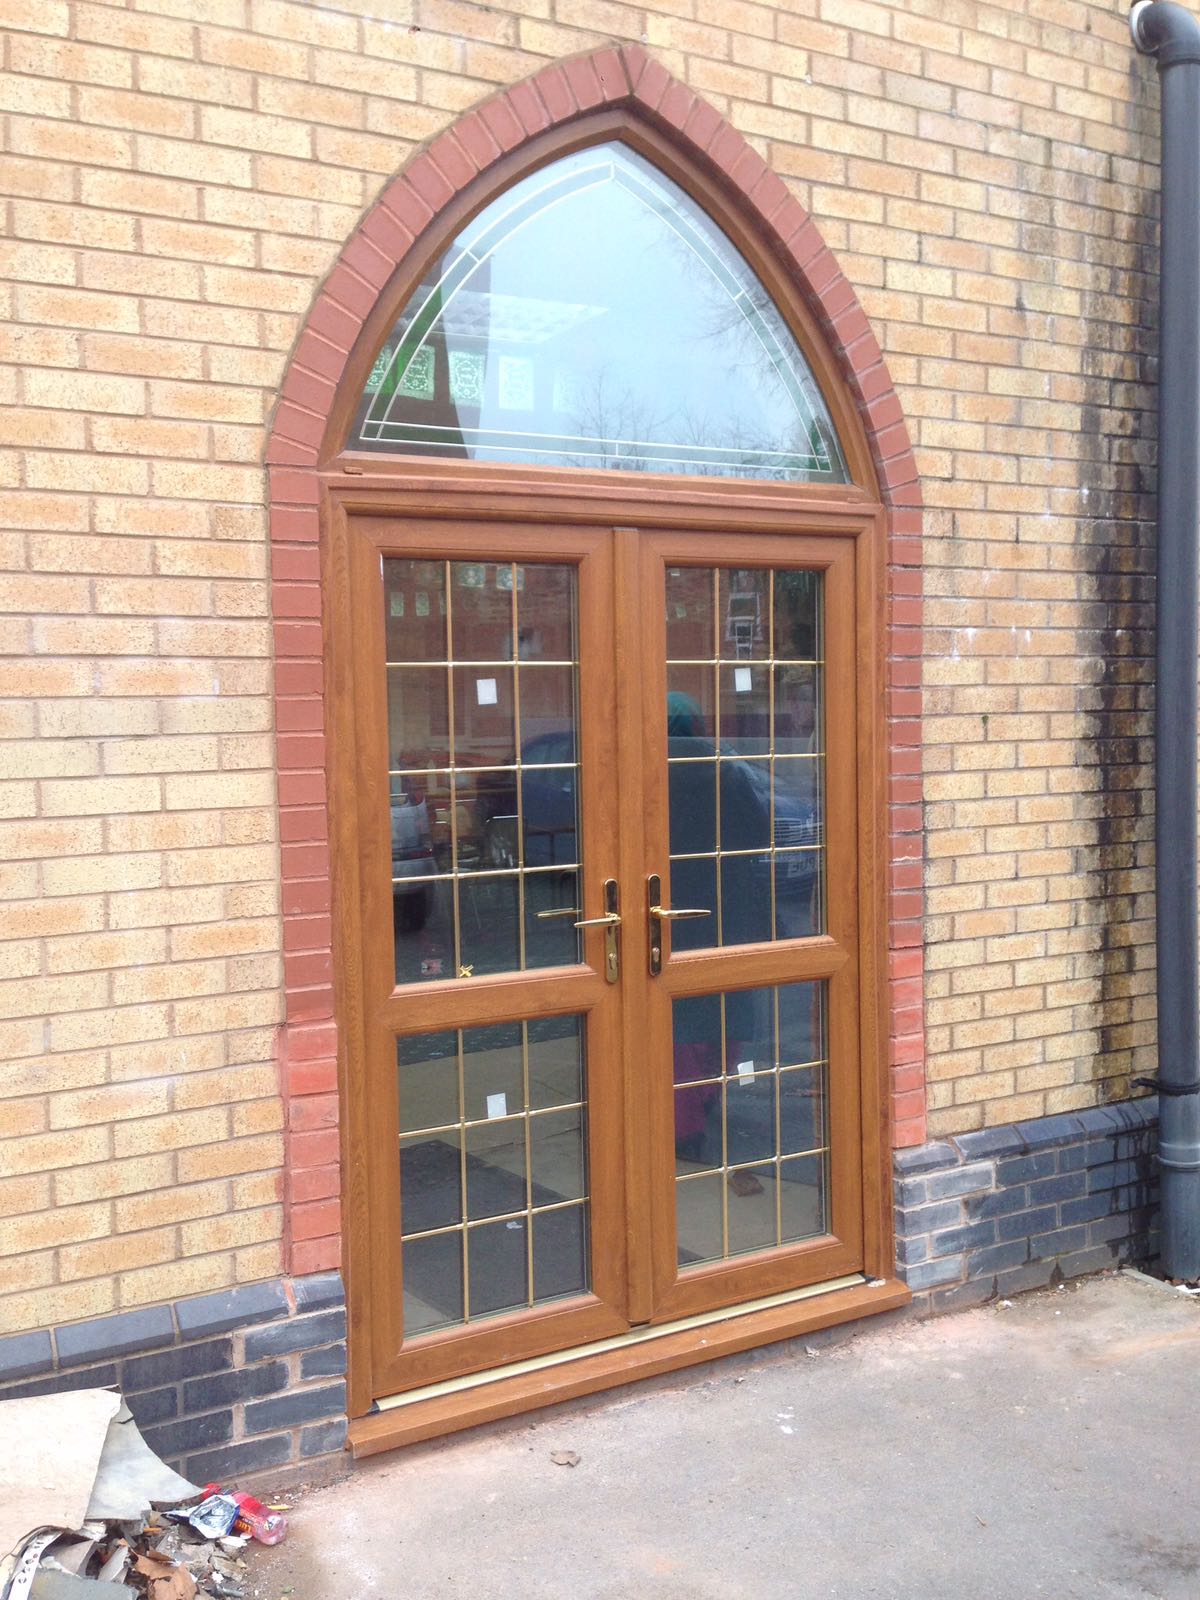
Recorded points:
(751, 1075)
(745, 754)
(494, 1207)
(594, 315)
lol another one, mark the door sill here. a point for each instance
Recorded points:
(647, 1352)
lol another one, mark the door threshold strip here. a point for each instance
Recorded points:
(620, 1341)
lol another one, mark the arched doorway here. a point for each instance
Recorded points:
(602, 547)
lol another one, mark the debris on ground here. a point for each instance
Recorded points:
(565, 1458)
(89, 1512)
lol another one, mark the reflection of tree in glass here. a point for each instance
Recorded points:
(619, 424)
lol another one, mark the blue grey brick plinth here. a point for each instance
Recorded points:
(991, 1213)
(221, 1385)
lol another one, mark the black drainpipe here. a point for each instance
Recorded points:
(1172, 35)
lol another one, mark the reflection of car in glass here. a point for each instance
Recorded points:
(548, 801)
(738, 812)
(412, 854)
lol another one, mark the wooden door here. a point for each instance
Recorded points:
(480, 695)
(749, 1061)
(573, 1130)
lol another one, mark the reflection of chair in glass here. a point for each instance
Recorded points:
(501, 842)
(493, 847)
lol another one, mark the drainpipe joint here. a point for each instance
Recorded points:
(1166, 31)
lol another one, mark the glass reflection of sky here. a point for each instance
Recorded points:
(594, 316)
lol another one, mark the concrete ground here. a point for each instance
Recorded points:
(1049, 1447)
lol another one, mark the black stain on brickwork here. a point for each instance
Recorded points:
(1116, 534)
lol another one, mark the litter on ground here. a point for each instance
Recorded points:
(89, 1512)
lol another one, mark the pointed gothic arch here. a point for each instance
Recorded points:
(622, 92)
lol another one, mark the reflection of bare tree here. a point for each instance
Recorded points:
(753, 452)
(619, 423)
(744, 334)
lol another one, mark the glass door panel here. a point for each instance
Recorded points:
(751, 1140)
(482, 692)
(487, 799)
(751, 804)
(493, 1170)
(745, 753)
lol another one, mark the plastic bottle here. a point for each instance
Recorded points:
(258, 1520)
(254, 1518)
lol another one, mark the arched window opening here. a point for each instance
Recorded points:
(603, 736)
(593, 315)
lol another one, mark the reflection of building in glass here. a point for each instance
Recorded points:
(743, 612)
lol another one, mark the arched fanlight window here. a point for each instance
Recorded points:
(594, 315)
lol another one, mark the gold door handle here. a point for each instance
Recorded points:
(610, 922)
(657, 914)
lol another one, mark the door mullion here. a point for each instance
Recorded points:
(630, 663)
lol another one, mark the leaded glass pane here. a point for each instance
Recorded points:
(594, 315)
(494, 1188)
(751, 1076)
(745, 753)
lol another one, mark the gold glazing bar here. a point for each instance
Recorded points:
(527, 1119)
(724, 1134)
(728, 661)
(516, 672)
(509, 872)
(726, 1169)
(540, 661)
(761, 850)
(736, 757)
(777, 1055)
(455, 906)
(448, 772)
(493, 1122)
(501, 1216)
(462, 1175)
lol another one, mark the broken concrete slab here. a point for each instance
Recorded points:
(130, 1479)
(50, 1449)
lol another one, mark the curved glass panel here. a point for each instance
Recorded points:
(594, 316)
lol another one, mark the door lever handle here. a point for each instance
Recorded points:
(657, 914)
(610, 922)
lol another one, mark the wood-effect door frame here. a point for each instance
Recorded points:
(352, 481)
(407, 491)
(828, 957)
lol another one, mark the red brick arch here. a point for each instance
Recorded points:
(625, 77)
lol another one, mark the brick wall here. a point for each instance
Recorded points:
(995, 1212)
(219, 1385)
(182, 174)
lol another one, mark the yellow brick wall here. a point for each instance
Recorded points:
(179, 176)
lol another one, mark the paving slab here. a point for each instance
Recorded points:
(1047, 1447)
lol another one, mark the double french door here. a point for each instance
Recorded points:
(601, 930)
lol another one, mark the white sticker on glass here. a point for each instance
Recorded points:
(485, 691)
(497, 1105)
(516, 383)
(743, 680)
(745, 1071)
